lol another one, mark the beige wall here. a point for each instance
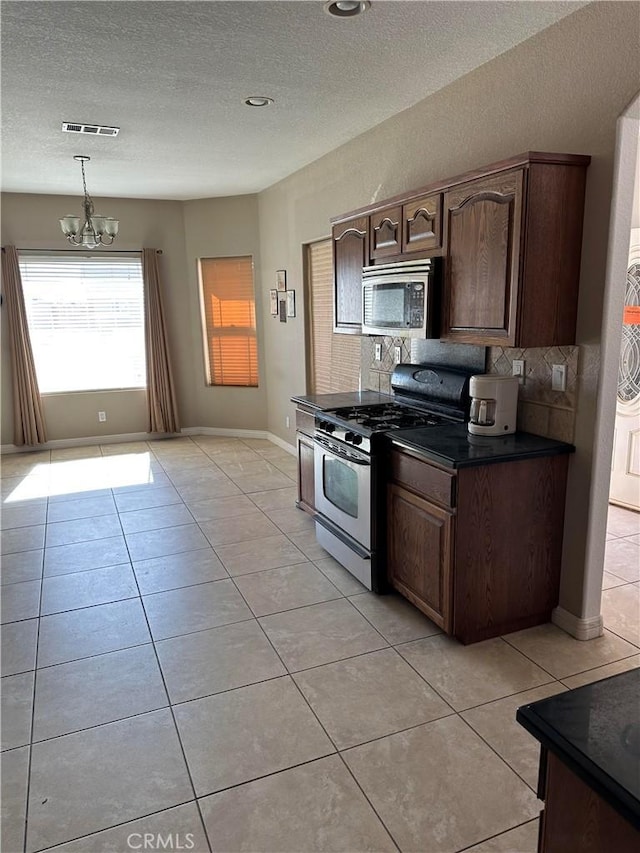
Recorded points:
(31, 222)
(560, 91)
(224, 227)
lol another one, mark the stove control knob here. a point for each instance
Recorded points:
(327, 426)
(357, 439)
(349, 436)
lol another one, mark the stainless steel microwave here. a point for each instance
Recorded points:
(401, 299)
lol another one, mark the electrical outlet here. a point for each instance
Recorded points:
(518, 369)
(287, 421)
(558, 377)
(397, 354)
(378, 352)
(102, 416)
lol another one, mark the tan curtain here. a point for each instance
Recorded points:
(28, 419)
(161, 400)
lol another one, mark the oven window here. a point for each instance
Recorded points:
(341, 486)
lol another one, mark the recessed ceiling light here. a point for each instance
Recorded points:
(346, 8)
(258, 101)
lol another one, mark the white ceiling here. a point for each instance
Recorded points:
(173, 77)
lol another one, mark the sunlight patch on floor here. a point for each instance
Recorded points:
(83, 475)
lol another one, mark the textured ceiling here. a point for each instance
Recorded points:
(173, 77)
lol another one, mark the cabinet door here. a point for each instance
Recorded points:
(350, 254)
(483, 221)
(422, 224)
(577, 817)
(306, 485)
(385, 232)
(419, 554)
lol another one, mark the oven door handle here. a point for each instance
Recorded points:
(356, 547)
(327, 445)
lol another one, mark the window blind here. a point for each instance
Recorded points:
(334, 359)
(86, 321)
(229, 321)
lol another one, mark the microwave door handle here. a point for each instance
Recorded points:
(339, 453)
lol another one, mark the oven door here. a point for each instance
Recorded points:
(343, 488)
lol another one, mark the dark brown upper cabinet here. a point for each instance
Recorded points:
(512, 259)
(407, 228)
(482, 259)
(510, 235)
(422, 224)
(385, 233)
(350, 254)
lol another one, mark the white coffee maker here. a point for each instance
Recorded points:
(494, 404)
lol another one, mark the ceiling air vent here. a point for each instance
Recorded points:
(95, 129)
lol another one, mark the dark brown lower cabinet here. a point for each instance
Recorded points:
(305, 424)
(419, 553)
(576, 818)
(306, 495)
(478, 550)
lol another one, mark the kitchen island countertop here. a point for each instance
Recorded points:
(595, 731)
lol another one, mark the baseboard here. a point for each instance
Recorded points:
(58, 443)
(290, 448)
(222, 431)
(242, 433)
(121, 438)
(581, 629)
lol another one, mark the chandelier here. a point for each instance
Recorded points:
(95, 230)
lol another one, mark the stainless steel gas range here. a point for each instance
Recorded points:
(349, 462)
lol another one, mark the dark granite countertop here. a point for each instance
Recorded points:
(452, 446)
(595, 731)
(322, 402)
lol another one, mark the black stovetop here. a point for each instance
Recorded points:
(384, 416)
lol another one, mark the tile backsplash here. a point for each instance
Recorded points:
(376, 374)
(540, 410)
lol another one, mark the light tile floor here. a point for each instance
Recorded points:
(180, 658)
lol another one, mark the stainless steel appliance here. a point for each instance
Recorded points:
(349, 459)
(401, 299)
(494, 404)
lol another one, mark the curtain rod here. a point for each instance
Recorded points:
(110, 252)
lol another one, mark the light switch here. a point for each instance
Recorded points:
(397, 354)
(378, 352)
(558, 377)
(518, 369)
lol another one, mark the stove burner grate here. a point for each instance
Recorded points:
(384, 416)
